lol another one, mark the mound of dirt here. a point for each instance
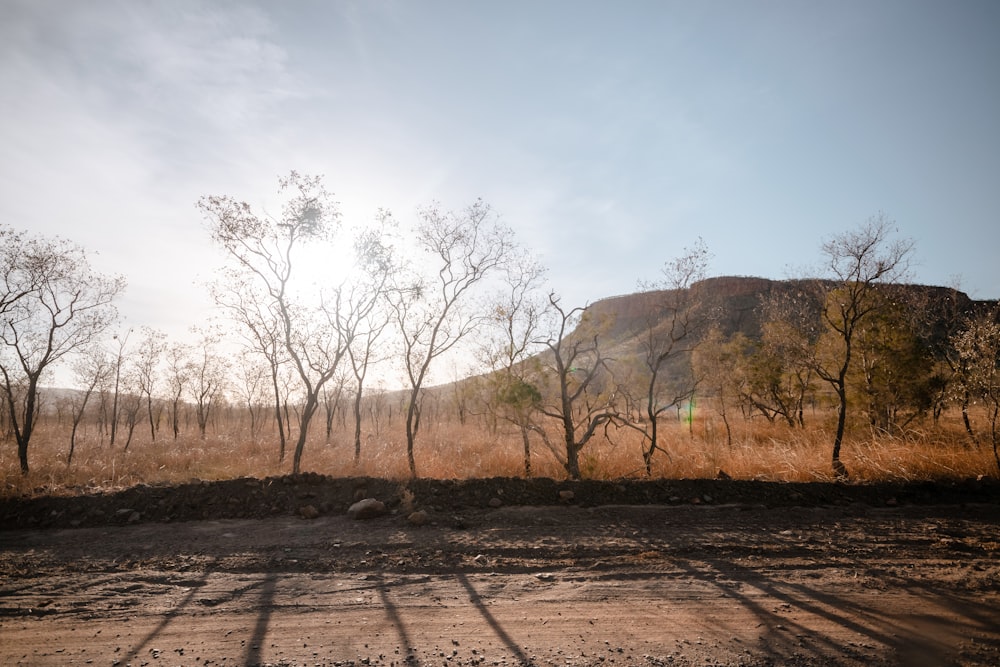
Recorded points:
(311, 495)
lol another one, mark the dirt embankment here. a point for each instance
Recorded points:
(259, 498)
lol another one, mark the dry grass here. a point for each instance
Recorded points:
(758, 450)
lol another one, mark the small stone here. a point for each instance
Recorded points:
(566, 496)
(134, 517)
(892, 502)
(308, 512)
(418, 518)
(369, 508)
(495, 503)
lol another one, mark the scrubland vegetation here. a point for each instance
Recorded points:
(760, 450)
(851, 375)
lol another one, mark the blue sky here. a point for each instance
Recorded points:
(609, 135)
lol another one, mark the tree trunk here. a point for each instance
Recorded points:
(357, 426)
(412, 424)
(277, 416)
(838, 468)
(994, 435)
(23, 433)
(312, 403)
(77, 418)
(572, 450)
(152, 422)
(527, 451)
(965, 419)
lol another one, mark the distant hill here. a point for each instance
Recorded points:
(733, 303)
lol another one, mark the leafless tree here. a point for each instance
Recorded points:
(51, 304)
(145, 367)
(433, 313)
(130, 404)
(577, 389)
(516, 317)
(246, 302)
(209, 370)
(90, 369)
(667, 337)
(860, 264)
(253, 378)
(331, 397)
(180, 371)
(117, 374)
(263, 248)
(368, 314)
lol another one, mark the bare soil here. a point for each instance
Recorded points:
(504, 572)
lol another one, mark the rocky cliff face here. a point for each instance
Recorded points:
(733, 304)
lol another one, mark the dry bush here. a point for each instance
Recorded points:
(447, 449)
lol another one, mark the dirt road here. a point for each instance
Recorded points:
(558, 585)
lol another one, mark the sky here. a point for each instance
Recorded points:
(609, 135)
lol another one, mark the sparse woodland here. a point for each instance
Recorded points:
(443, 353)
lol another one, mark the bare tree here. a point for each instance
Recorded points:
(131, 404)
(253, 378)
(90, 369)
(247, 304)
(209, 370)
(669, 334)
(860, 263)
(368, 312)
(516, 318)
(331, 397)
(145, 367)
(118, 368)
(576, 367)
(263, 249)
(51, 304)
(179, 374)
(431, 313)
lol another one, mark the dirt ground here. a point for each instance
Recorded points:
(504, 572)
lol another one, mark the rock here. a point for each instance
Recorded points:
(566, 496)
(308, 512)
(369, 508)
(495, 503)
(418, 518)
(134, 517)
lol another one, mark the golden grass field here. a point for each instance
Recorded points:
(449, 450)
